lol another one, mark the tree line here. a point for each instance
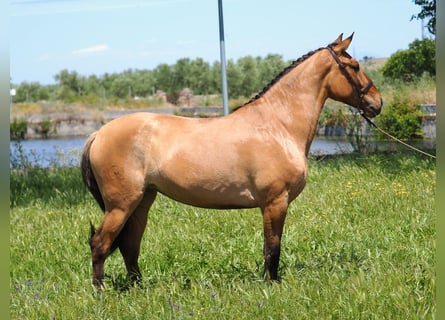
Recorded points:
(246, 76)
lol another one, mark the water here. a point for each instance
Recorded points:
(48, 152)
(67, 151)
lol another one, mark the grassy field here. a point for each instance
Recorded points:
(359, 243)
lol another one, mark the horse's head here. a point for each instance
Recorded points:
(348, 83)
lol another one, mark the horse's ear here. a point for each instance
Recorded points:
(343, 45)
(338, 40)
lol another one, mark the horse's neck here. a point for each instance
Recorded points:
(296, 102)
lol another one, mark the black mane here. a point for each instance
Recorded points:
(294, 64)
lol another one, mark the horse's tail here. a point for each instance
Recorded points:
(87, 173)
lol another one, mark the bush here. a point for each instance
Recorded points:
(45, 127)
(17, 129)
(402, 118)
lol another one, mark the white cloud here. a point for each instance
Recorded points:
(44, 57)
(91, 50)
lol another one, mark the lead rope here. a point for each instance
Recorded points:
(396, 139)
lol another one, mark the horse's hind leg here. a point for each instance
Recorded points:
(129, 240)
(102, 240)
(116, 215)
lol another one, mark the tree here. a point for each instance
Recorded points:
(200, 76)
(70, 85)
(181, 75)
(27, 92)
(143, 83)
(410, 64)
(121, 86)
(269, 68)
(428, 12)
(234, 79)
(93, 86)
(215, 80)
(163, 75)
(247, 67)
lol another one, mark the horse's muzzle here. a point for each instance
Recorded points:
(373, 110)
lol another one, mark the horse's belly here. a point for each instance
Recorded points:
(200, 194)
(213, 203)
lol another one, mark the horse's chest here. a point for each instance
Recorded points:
(283, 174)
(293, 173)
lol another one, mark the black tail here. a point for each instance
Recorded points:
(87, 174)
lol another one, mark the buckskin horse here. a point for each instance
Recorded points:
(254, 157)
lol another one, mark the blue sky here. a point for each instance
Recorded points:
(99, 36)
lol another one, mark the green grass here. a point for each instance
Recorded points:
(359, 243)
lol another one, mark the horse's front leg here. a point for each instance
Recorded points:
(274, 215)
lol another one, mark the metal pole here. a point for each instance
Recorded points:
(223, 59)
